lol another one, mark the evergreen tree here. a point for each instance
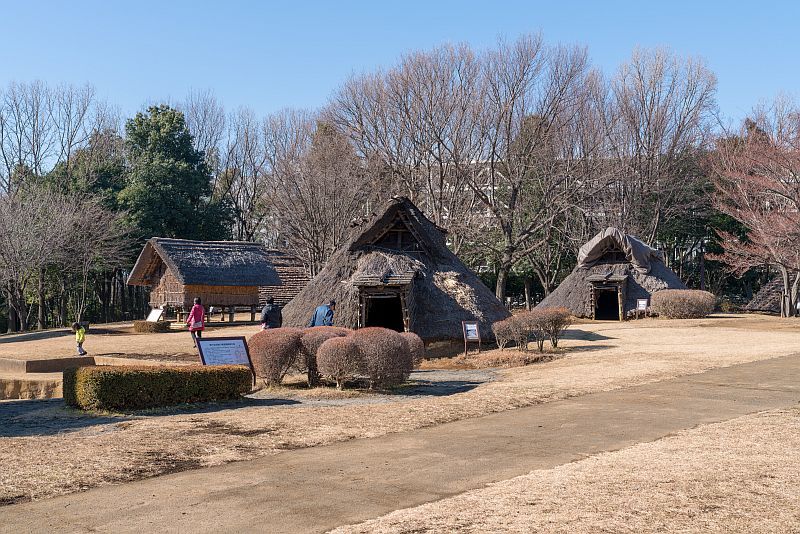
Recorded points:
(168, 191)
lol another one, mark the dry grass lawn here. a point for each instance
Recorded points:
(105, 450)
(741, 475)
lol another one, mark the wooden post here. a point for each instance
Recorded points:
(252, 314)
(620, 302)
(232, 313)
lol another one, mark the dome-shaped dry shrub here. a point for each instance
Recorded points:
(340, 359)
(416, 346)
(312, 340)
(682, 303)
(274, 351)
(387, 357)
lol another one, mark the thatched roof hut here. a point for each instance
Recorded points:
(293, 276)
(397, 272)
(222, 273)
(768, 298)
(614, 270)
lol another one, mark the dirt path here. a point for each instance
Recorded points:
(324, 487)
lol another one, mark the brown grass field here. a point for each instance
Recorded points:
(52, 450)
(741, 475)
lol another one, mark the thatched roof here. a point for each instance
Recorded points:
(615, 257)
(293, 276)
(768, 298)
(212, 263)
(444, 291)
(636, 253)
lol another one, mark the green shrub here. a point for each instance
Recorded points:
(682, 303)
(274, 351)
(416, 346)
(118, 387)
(311, 340)
(387, 357)
(150, 327)
(339, 358)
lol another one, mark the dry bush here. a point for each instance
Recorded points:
(504, 332)
(528, 326)
(416, 346)
(552, 323)
(311, 340)
(682, 303)
(387, 357)
(274, 351)
(151, 327)
(340, 358)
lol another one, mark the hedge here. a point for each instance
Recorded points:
(536, 325)
(387, 356)
(339, 358)
(125, 387)
(150, 327)
(274, 351)
(682, 303)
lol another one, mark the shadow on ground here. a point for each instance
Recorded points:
(583, 335)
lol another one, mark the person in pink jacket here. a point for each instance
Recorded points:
(196, 320)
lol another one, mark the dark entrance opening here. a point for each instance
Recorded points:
(606, 303)
(385, 311)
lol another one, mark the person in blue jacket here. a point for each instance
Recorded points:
(323, 315)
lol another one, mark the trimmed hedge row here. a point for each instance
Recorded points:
(682, 303)
(150, 327)
(124, 387)
(382, 356)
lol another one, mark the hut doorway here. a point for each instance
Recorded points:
(606, 307)
(385, 311)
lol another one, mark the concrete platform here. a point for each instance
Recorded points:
(42, 364)
(30, 386)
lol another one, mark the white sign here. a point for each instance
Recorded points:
(224, 351)
(155, 315)
(471, 331)
(641, 304)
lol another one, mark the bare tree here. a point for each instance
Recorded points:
(757, 175)
(657, 117)
(205, 118)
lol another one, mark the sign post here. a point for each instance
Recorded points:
(641, 306)
(155, 315)
(472, 334)
(225, 351)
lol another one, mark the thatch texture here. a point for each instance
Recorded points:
(624, 258)
(225, 273)
(768, 298)
(293, 278)
(442, 291)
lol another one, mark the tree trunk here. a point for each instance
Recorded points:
(528, 304)
(506, 262)
(40, 323)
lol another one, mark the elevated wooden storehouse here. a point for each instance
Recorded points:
(221, 273)
(293, 276)
(397, 272)
(614, 271)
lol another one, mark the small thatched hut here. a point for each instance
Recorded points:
(222, 273)
(397, 272)
(293, 276)
(614, 271)
(768, 298)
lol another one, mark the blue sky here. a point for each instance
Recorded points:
(293, 54)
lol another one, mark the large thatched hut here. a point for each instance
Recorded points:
(397, 272)
(293, 276)
(614, 270)
(222, 273)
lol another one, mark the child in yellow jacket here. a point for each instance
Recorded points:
(80, 337)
